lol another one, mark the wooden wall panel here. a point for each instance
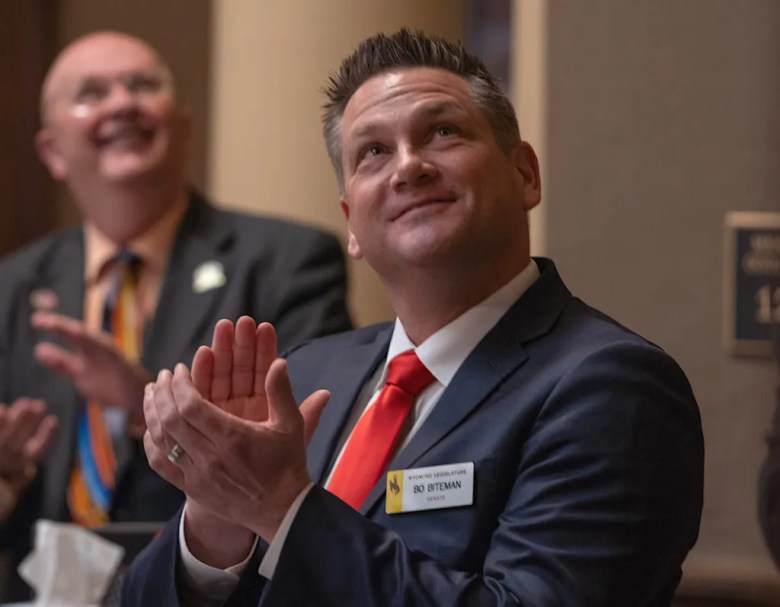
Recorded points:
(27, 35)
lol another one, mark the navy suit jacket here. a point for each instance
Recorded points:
(289, 274)
(588, 454)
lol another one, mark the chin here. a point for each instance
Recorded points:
(430, 242)
(429, 254)
(129, 172)
(132, 165)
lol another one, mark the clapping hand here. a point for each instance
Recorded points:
(235, 418)
(26, 431)
(93, 362)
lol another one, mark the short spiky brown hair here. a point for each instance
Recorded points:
(406, 48)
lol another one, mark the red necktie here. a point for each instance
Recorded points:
(373, 440)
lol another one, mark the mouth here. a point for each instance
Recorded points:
(425, 203)
(124, 137)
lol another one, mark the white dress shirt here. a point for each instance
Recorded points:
(442, 353)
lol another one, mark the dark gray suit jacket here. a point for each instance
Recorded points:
(588, 458)
(278, 271)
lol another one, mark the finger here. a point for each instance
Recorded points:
(154, 429)
(283, 413)
(59, 360)
(157, 454)
(265, 348)
(44, 300)
(150, 414)
(51, 321)
(23, 420)
(169, 427)
(71, 330)
(12, 436)
(203, 371)
(311, 409)
(243, 379)
(222, 346)
(38, 444)
(189, 419)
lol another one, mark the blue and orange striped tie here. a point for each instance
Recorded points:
(101, 430)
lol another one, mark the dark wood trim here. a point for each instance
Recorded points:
(27, 41)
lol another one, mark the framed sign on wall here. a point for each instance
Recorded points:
(752, 282)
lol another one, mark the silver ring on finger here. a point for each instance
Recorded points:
(175, 453)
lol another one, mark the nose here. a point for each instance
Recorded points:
(120, 100)
(412, 168)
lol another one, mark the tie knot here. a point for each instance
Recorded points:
(126, 258)
(407, 372)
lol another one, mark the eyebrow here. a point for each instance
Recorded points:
(88, 80)
(96, 78)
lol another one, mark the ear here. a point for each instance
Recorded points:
(527, 164)
(353, 248)
(49, 154)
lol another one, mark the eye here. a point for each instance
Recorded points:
(143, 83)
(446, 130)
(370, 151)
(90, 92)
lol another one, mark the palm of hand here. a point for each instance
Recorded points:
(232, 372)
(251, 408)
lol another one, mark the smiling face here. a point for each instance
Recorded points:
(425, 181)
(110, 115)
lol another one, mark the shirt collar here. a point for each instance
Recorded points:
(152, 247)
(446, 350)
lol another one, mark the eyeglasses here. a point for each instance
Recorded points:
(93, 91)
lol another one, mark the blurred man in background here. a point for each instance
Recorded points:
(89, 315)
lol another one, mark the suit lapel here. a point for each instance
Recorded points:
(203, 242)
(61, 270)
(65, 275)
(498, 355)
(354, 371)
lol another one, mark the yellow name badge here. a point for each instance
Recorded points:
(430, 488)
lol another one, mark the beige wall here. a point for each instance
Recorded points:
(657, 118)
(529, 94)
(270, 61)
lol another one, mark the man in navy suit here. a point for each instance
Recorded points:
(551, 458)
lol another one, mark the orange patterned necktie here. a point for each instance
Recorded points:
(374, 438)
(100, 430)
